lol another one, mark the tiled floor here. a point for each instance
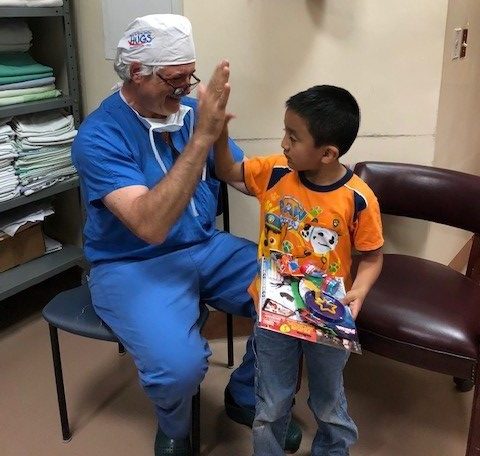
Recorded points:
(400, 411)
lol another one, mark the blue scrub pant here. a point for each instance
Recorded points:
(152, 306)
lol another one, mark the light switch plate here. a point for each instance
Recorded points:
(463, 47)
(457, 43)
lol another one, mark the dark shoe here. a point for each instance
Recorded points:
(244, 415)
(165, 446)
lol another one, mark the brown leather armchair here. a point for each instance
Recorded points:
(421, 312)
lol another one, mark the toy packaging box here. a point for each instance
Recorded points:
(305, 303)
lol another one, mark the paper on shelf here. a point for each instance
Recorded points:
(51, 245)
(12, 221)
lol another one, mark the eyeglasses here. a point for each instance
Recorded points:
(181, 90)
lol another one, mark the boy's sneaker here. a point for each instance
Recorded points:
(244, 415)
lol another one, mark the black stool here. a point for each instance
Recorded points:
(72, 311)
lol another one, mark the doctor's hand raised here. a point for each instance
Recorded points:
(212, 103)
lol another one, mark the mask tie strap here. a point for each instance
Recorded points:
(164, 168)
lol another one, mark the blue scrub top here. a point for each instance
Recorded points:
(112, 150)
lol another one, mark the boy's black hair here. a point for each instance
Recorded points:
(332, 115)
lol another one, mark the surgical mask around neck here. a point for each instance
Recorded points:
(173, 122)
(170, 124)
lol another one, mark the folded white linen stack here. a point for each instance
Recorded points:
(8, 151)
(9, 182)
(34, 142)
(6, 133)
(15, 35)
(43, 123)
(31, 3)
(44, 157)
(44, 2)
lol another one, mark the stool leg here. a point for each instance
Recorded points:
(196, 424)
(230, 340)
(57, 366)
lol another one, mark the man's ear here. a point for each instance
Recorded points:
(135, 68)
(330, 154)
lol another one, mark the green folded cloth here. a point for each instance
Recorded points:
(18, 92)
(20, 64)
(27, 170)
(42, 150)
(42, 160)
(26, 174)
(30, 97)
(26, 77)
(37, 157)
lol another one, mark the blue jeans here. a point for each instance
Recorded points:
(152, 307)
(277, 360)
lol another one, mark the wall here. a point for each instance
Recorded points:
(458, 138)
(457, 144)
(387, 53)
(96, 73)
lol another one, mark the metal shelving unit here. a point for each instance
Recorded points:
(42, 194)
(21, 277)
(19, 11)
(36, 106)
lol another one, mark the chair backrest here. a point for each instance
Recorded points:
(422, 192)
(223, 207)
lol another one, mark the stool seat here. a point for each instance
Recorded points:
(72, 311)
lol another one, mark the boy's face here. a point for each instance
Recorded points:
(298, 144)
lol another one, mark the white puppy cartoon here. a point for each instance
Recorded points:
(322, 240)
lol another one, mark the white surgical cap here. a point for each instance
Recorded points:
(158, 39)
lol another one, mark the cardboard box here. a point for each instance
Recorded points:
(26, 245)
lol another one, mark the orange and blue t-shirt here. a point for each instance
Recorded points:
(319, 225)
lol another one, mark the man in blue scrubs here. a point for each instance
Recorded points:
(146, 170)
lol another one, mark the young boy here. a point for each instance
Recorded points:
(316, 209)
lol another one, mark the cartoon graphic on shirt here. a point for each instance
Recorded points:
(322, 239)
(290, 228)
(274, 232)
